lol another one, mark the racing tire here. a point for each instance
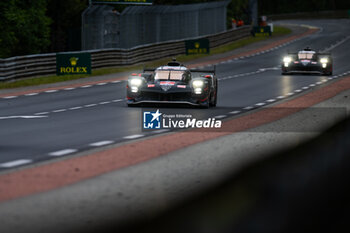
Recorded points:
(205, 105)
(131, 105)
(213, 103)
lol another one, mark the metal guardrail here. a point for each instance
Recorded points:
(45, 64)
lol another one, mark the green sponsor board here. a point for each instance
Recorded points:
(147, 2)
(200, 46)
(73, 63)
(261, 31)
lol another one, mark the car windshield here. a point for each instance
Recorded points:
(169, 75)
(303, 55)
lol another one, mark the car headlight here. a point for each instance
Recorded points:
(287, 59)
(198, 91)
(324, 60)
(198, 83)
(134, 89)
(136, 82)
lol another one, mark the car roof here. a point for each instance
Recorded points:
(178, 68)
(307, 51)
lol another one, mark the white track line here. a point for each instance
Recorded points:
(220, 116)
(15, 163)
(59, 110)
(31, 94)
(160, 131)
(107, 102)
(41, 113)
(90, 105)
(260, 104)
(134, 136)
(76, 108)
(9, 97)
(102, 143)
(235, 112)
(63, 152)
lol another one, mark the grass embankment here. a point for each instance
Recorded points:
(278, 31)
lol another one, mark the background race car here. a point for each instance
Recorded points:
(308, 61)
(173, 83)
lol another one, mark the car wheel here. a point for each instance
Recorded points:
(214, 102)
(205, 104)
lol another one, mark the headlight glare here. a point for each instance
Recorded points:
(198, 83)
(324, 60)
(134, 89)
(287, 59)
(198, 91)
(136, 82)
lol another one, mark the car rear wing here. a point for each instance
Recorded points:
(212, 71)
(317, 53)
(148, 70)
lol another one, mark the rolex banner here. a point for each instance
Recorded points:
(73, 63)
(199, 46)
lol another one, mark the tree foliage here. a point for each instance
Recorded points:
(267, 7)
(24, 27)
(66, 16)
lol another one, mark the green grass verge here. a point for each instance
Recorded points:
(278, 31)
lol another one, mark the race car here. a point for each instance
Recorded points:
(173, 83)
(307, 61)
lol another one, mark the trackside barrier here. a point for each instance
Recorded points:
(296, 190)
(45, 64)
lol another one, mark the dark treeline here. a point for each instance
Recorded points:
(32, 27)
(267, 7)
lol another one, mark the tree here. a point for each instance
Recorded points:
(24, 27)
(66, 17)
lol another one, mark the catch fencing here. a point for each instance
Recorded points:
(104, 27)
(45, 64)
